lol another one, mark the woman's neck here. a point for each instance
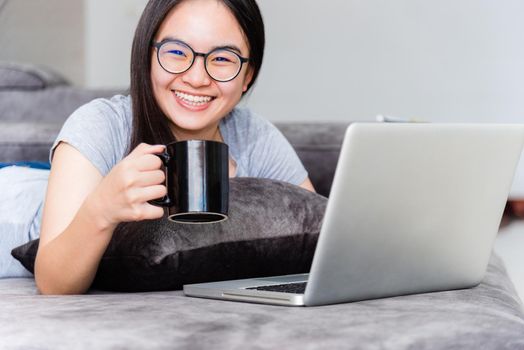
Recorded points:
(211, 133)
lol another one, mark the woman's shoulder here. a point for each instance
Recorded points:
(100, 130)
(119, 105)
(245, 122)
(102, 114)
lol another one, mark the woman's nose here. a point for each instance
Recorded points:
(197, 75)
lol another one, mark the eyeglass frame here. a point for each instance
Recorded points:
(196, 54)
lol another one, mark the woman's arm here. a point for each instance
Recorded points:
(308, 185)
(82, 209)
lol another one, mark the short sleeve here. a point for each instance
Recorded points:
(275, 158)
(100, 130)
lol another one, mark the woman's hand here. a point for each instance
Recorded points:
(82, 209)
(124, 193)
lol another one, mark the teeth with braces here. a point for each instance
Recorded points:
(193, 100)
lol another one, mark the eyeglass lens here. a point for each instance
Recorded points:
(221, 64)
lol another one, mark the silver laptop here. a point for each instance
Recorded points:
(413, 208)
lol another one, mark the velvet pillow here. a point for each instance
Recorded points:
(272, 229)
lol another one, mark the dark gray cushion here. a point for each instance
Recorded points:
(272, 229)
(19, 76)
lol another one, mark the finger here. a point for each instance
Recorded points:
(148, 162)
(144, 194)
(150, 178)
(150, 211)
(145, 148)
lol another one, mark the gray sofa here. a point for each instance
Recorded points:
(489, 316)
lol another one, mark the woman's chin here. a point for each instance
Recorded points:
(191, 128)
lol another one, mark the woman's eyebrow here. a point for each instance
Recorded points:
(170, 38)
(224, 46)
(229, 47)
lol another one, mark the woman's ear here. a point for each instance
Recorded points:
(247, 78)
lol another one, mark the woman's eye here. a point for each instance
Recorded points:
(222, 59)
(176, 52)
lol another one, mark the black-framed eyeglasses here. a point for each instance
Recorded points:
(222, 64)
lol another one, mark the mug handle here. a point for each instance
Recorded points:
(164, 201)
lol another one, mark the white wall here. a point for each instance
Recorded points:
(45, 32)
(88, 41)
(109, 29)
(446, 60)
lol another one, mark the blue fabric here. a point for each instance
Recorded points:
(23, 190)
(34, 165)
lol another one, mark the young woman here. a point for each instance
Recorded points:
(192, 60)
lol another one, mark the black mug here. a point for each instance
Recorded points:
(197, 181)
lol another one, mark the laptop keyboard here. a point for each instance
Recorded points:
(295, 288)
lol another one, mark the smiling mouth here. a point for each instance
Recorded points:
(193, 99)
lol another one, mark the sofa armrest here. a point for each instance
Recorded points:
(27, 141)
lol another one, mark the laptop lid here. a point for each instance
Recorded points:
(413, 208)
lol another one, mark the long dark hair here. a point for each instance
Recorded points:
(150, 124)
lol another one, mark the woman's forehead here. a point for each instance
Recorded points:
(203, 24)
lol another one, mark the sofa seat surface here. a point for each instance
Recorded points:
(488, 316)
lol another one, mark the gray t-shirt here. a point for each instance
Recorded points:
(101, 131)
